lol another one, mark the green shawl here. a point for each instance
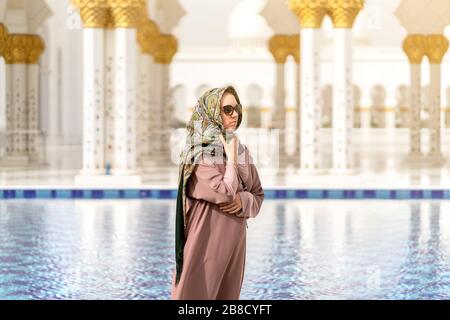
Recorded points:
(203, 130)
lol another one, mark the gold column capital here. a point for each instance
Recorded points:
(167, 46)
(37, 47)
(437, 46)
(127, 13)
(23, 48)
(147, 36)
(344, 12)
(310, 13)
(3, 38)
(279, 47)
(283, 45)
(93, 13)
(17, 47)
(415, 47)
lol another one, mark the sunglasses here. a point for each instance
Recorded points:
(228, 110)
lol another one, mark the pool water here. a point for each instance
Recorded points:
(296, 249)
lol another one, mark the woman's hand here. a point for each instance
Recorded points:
(230, 148)
(232, 207)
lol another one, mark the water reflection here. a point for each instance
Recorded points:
(295, 250)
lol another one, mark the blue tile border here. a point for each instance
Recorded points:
(323, 194)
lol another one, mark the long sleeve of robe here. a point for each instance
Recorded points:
(215, 248)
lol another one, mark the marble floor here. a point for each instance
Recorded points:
(380, 162)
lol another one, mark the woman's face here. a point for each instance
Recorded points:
(229, 122)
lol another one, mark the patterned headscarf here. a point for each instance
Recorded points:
(203, 130)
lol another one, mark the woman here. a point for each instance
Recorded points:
(219, 189)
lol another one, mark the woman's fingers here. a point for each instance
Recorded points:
(226, 206)
(236, 210)
(228, 211)
(233, 210)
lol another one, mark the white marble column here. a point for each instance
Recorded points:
(311, 104)
(166, 113)
(126, 55)
(342, 102)
(19, 109)
(162, 113)
(8, 109)
(435, 111)
(154, 116)
(148, 112)
(95, 15)
(93, 101)
(343, 15)
(279, 115)
(33, 148)
(280, 45)
(3, 43)
(22, 52)
(156, 111)
(415, 132)
(297, 105)
(414, 46)
(6, 67)
(109, 99)
(2, 95)
(33, 111)
(437, 46)
(143, 108)
(54, 30)
(310, 16)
